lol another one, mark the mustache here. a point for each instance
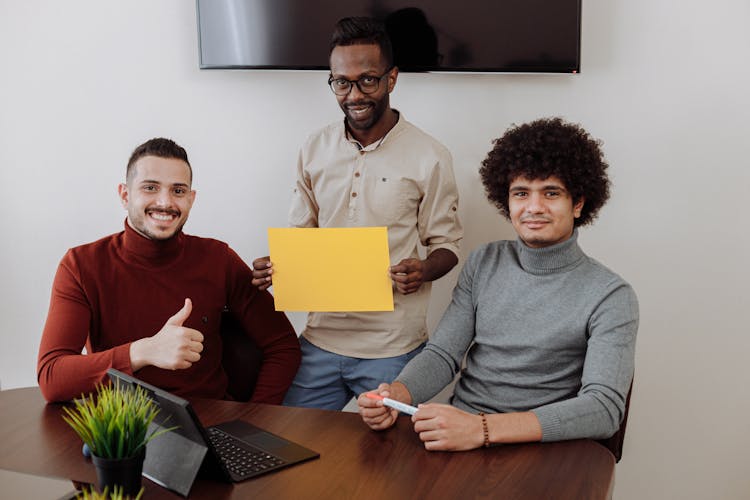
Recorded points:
(364, 102)
(168, 211)
(535, 218)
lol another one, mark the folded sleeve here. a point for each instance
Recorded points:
(438, 223)
(303, 211)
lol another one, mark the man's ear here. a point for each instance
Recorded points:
(122, 191)
(578, 206)
(392, 77)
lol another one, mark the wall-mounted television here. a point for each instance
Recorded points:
(527, 36)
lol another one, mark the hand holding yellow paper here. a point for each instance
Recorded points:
(331, 269)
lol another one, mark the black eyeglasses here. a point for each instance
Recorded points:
(366, 84)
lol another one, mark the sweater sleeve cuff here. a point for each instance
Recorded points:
(550, 423)
(121, 359)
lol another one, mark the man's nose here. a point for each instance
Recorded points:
(164, 198)
(354, 93)
(535, 203)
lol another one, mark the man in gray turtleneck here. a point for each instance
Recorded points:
(548, 332)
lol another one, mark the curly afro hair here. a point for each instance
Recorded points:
(544, 148)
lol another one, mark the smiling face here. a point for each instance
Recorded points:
(364, 112)
(157, 196)
(542, 211)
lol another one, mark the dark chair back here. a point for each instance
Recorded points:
(614, 443)
(241, 358)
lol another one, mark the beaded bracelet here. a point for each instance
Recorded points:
(485, 429)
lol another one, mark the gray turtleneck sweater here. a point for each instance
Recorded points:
(549, 330)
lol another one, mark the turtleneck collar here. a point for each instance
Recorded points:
(152, 252)
(549, 260)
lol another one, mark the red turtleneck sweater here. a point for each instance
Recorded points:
(124, 287)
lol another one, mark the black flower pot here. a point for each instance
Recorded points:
(125, 472)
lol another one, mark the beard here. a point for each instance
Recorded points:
(378, 109)
(150, 229)
(159, 236)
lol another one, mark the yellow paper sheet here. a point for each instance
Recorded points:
(331, 269)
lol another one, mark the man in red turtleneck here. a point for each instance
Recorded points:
(148, 300)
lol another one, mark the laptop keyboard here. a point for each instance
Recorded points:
(239, 457)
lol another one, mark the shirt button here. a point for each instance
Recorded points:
(354, 195)
(356, 174)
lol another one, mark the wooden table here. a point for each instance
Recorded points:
(354, 461)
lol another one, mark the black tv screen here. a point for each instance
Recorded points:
(428, 35)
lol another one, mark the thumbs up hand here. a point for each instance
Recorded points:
(174, 347)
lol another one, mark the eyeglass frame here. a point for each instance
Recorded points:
(352, 83)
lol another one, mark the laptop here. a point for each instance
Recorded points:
(232, 451)
(22, 485)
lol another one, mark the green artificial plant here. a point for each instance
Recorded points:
(114, 422)
(116, 494)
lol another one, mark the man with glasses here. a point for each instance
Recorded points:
(372, 169)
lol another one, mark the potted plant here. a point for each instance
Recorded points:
(114, 424)
(116, 494)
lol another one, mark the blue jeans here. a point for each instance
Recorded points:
(329, 381)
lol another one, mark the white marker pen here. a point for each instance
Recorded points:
(392, 403)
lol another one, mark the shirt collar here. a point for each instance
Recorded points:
(376, 144)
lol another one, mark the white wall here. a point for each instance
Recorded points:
(663, 84)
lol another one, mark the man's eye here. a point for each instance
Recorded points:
(341, 83)
(553, 194)
(180, 191)
(367, 80)
(519, 194)
(149, 188)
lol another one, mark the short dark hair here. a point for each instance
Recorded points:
(161, 148)
(544, 148)
(362, 31)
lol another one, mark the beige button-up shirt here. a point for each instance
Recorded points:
(405, 182)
